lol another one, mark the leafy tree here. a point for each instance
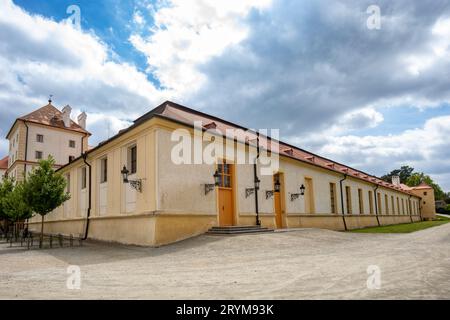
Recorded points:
(6, 187)
(14, 205)
(404, 173)
(44, 190)
(418, 177)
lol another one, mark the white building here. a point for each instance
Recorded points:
(44, 132)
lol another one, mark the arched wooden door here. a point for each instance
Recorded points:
(226, 194)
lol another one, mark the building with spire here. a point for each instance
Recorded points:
(45, 132)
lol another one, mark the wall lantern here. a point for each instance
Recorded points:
(135, 184)
(210, 186)
(277, 188)
(250, 191)
(302, 190)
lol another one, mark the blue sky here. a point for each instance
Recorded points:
(373, 98)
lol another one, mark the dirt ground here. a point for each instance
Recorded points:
(302, 264)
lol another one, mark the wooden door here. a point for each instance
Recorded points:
(277, 203)
(226, 201)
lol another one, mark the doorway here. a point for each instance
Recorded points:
(226, 194)
(277, 196)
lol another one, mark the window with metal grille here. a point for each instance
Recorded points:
(38, 155)
(104, 170)
(40, 138)
(133, 159)
(333, 197)
(348, 196)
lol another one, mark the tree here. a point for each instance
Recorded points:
(15, 206)
(404, 173)
(418, 177)
(44, 190)
(6, 187)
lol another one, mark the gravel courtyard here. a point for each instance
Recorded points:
(302, 264)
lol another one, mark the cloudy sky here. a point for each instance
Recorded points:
(375, 99)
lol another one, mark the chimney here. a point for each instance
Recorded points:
(66, 115)
(82, 120)
(396, 180)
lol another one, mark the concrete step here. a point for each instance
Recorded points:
(238, 230)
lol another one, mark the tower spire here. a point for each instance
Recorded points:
(50, 98)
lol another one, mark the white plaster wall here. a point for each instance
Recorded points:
(56, 143)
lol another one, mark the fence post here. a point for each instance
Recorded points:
(51, 241)
(28, 242)
(71, 240)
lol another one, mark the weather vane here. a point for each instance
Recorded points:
(50, 98)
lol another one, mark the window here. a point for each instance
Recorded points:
(398, 206)
(71, 158)
(333, 197)
(425, 193)
(386, 203)
(104, 170)
(38, 155)
(392, 204)
(40, 138)
(83, 178)
(348, 196)
(379, 203)
(132, 157)
(361, 201)
(224, 171)
(72, 143)
(370, 202)
(403, 206)
(68, 182)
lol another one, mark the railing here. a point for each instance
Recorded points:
(32, 240)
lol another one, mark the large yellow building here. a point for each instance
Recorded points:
(134, 189)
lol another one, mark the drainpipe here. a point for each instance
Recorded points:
(342, 201)
(255, 174)
(89, 197)
(376, 204)
(410, 208)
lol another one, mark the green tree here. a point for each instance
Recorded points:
(15, 206)
(404, 173)
(418, 177)
(6, 187)
(44, 190)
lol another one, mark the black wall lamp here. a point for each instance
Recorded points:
(250, 191)
(210, 186)
(277, 188)
(296, 195)
(135, 184)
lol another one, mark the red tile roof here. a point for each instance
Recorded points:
(186, 115)
(51, 116)
(4, 163)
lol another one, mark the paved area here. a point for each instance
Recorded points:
(302, 264)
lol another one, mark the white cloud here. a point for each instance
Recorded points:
(426, 149)
(188, 33)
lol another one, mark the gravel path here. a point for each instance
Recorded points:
(302, 264)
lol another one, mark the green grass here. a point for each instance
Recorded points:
(405, 227)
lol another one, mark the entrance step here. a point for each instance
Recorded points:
(238, 230)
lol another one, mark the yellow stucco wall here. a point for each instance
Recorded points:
(173, 205)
